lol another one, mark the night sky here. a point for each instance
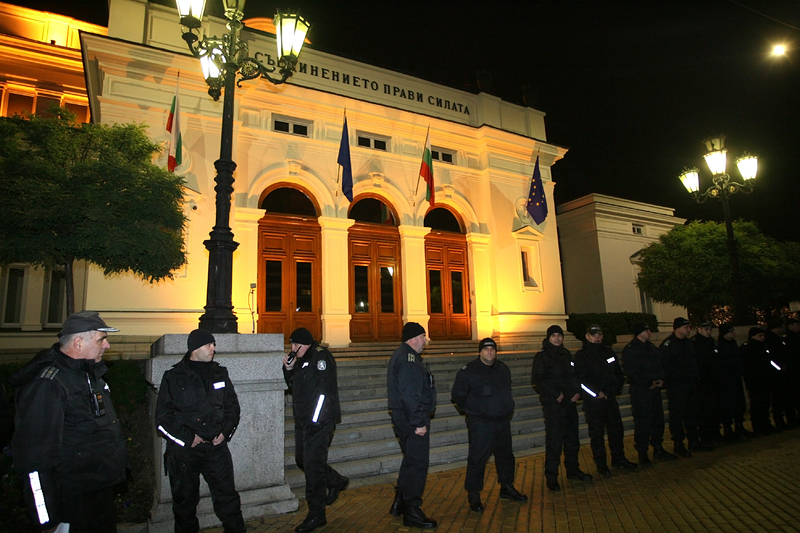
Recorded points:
(631, 88)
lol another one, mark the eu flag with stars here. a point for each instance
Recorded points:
(537, 203)
(344, 161)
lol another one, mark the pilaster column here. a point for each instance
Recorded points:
(415, 292)
(480, 281)
(335, 281)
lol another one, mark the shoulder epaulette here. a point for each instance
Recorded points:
(666, 342)
(49, 372)
(464, 367)
(320, 348)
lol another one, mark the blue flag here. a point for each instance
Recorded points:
(344, 160)
(537, 203)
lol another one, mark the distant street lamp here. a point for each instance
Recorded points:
(222, 58)
(723, 187)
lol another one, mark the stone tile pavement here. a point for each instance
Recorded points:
(750, 486)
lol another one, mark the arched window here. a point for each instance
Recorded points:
(288, 201)
(372, 211)
(442, 219)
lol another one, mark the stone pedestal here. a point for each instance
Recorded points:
(254, 365)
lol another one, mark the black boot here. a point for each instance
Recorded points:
(311, 523)
(475, 504)
(397, 505)
(680, 450)
(414, 517)
(740, 431)
(644, 460)
(508, 492)
(333, 492)
(661, 454)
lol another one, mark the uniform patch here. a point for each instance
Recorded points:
(49, 372)
(321, 365)
(464, 367)
(666, 342)
(411, 358)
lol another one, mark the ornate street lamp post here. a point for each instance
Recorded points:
(222, 59)
(723, 187)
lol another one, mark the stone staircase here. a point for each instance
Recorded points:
(364, 446)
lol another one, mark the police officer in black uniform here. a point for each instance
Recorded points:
(730, 394)
(759, 376)
(642, 365)
(783, 417)
(682, 373)
(482, 389)
(792, 340)
(601, 378)
(197, 412)
(68, 448)
(553, 375)
(705, 350)
(412, 399)
(310, 372)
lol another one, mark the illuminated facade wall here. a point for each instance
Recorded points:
(600, 239)
(131, 76)
(41, 66)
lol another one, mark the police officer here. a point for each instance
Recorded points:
(310, 372)
(412, 399)
(482, 389)
(682, 373)
(705, 350)
(68, 447)
(553, 375)
(642, 365)
(601, 379)
(197, 412)
(783, 417)
(792, 340)
(759, 375)
(730, 394)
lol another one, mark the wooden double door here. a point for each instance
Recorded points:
(448, 287)
(375, 287)
(289, 275)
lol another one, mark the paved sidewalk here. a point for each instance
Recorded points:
(742, 487)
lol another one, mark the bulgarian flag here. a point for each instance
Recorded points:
(426, 169)
(174, 129)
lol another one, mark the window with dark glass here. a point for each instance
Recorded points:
(442, 220)
(443, 154)
(291, 125)
(373, 211)
(435, 281)
(56, 304)
(274, 300)
(12, 307)
(303, 287)
(43, 104)
(19, 104)
(288, 201)
(372, 140)
(458, 292)
(387, 290)
(361, 286)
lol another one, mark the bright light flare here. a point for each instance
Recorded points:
(779, 50)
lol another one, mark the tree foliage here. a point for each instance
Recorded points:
(71, 191)
(689, 267)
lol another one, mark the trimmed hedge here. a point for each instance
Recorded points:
(613, 324)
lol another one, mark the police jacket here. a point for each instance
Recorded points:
(484, 391)
(641, 364)
(598, 369)
(777, 348)
(553, 373)
(68, 437)
(679, 360)
(728, 361)
(189, 405)
(410, 386)
(757, 361)
(315, 390)
(705, 350)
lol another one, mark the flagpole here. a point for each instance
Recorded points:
(338, 166)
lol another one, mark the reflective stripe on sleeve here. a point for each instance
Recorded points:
(219, 385)
(773, 363)
(319, 408)
(176, 440)
(587, 389)
(38, 497)
(611, 360)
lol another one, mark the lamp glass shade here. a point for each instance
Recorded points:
(748, 166)
(690, 180)
(210, 68)
(717, 161)
(191, 8)
(291, 30)
(233, 6)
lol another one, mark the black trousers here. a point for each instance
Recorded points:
(90, 512)
(683, 408)
(648, 418)
(560, 435)
(759, 391)
(184, 466)
(603, 415)
(311, 443)
(487, 437)
(416, 458)
(783, 399)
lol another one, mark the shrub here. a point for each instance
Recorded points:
(613, 324)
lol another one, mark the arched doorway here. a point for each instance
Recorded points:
(289, 268)
(375, 289)
(448, 274)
